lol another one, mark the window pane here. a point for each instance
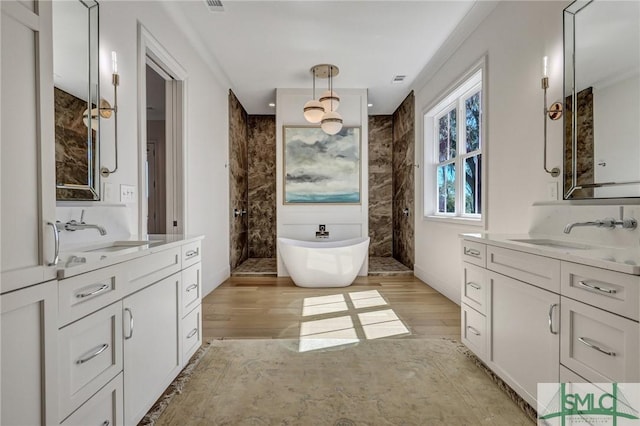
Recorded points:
(447, 188)
(443, 139)
(472, 184)
(453, 133)
(472, 112)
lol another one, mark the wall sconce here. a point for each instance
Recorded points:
(107, 110)
(91, 119)
(554, 112)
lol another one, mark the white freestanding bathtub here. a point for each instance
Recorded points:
(323, 264)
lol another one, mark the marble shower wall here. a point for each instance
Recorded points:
(238, 182)
(261, 136)
(585, 163)
(403, 181)
(71, 145)
(380, 186)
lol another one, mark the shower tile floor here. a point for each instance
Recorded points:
(257, 266)
(387, 266)
(263, 266)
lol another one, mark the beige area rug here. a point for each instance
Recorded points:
(376, 382)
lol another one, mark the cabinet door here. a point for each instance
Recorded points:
(525, 344)
(151, 345)
(29, 356)
(27, 156)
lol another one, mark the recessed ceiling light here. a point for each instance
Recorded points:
(369, 105)
(398, 79)
(272, 105)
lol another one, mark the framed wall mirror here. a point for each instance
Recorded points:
(76, 95)
(602, 101)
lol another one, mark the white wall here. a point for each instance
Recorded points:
(515, 37)
(301, 221)
(207, 127)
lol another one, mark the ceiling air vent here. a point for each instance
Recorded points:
(214, 5)
(398, 79)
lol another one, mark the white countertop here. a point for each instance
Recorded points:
(620, 259)
(80, 259)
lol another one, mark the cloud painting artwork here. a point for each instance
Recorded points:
(321, 168)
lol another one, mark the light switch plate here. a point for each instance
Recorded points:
(552, 191)
(127, 193)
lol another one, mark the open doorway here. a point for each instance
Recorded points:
(161, 139)
(156, 152)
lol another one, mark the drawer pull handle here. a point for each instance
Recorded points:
(474, 285)
(56, 244)
(471, 252)
(192, 287)
(100, 289)
(586, 341)
(473, 330)
(88, 358)
(192, 333)
(106, 423)
(191, 253)
(551, 318)
(130, 324)
(595, 287)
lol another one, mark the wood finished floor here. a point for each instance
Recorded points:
(272, 308)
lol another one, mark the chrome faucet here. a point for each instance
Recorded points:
(608, 223)
(73, 225)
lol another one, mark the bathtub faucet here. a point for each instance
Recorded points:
(322, 232)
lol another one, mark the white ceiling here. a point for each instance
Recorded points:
(264, 45)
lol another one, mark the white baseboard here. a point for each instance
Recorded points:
(450, 291)
(215, 280)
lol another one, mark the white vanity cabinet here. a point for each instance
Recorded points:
(524, 338)
(191, 312)
(29, 356)
(124, 333)
(507, 321)
(535, 319)
(27, 152)
(151, 345)
(600, 338)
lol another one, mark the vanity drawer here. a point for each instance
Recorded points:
(105, 408)
(609, 290)
(80, 295)
(568, 376)
(475, 287)
(540, 271)
(152, 268)
(191, 334)
(474, 326)
(191, 288)
(597, 345)
(191, 254)
(473, 252)
(90, 355)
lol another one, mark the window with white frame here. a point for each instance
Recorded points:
(453, 153)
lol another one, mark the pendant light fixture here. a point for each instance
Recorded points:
(313, 110)
(324, 110)
(331, 122)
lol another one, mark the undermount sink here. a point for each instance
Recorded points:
(558, 244)
(119, 245)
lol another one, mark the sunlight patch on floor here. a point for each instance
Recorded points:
(341, 330)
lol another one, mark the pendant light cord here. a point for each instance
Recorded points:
(331, 87)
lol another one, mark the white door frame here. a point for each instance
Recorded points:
(150, 51)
